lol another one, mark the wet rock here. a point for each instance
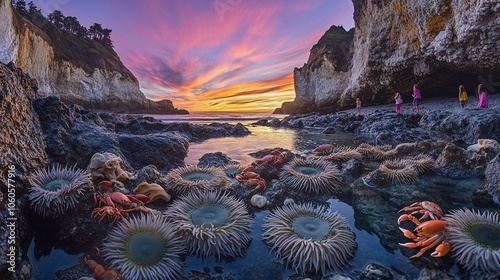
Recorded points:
(467, 125)
(492, 172)
(166, 150)
(457, 162)
(376, 179)
(329, 130)
(430, 274)
(375, 271)
(217, 159)
(453, 162)
(215, 130)
(21, 140)
(352, 169)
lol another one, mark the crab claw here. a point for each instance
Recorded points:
(106, 185)
(408, 234)
(409, 245)
(441, 250)
(408, 217)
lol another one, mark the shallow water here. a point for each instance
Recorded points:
(239, 148)
(372, 206)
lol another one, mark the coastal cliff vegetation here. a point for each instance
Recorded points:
(86, 48)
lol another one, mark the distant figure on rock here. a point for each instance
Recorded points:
(399, 101)
(483, 100)
(462, 96)
(416, 97)
(358, 107)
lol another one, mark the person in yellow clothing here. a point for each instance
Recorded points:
(462, 96)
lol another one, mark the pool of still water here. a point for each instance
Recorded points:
(260, 262)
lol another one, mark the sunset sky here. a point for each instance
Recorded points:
(212, 55)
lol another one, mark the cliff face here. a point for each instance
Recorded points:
(437, 44)
(103, 84)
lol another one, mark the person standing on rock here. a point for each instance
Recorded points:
(462, 96)
(483, 100)
(358, 107)
(399, 101)
(416, 97)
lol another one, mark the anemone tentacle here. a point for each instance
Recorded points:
(212, 224)
(311, 175)
(55, 190)
(399, 172)
(423, 163)
(145, 247)
(187, 178)
(309, 239)
(474, 238)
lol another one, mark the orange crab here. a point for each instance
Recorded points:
(427, 234)
(324, 149)
(252, 179)
(117, 204)
(275, 158)
(99, 271)
(426, 208)
(110, 198)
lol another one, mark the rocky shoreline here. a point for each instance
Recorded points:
(41, 132)
(439, 119)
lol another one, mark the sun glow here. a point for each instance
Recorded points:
(217, 55)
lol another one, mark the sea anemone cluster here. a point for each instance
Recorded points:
(341, 153)
(54, 191)
(311, 175)
(145, 247)
(309, 239)
(377, 152)
(400, 172)
(212, 224)
(107, 166)
(474, 239)
(187, 178)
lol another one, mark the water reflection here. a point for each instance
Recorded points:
(238, 148)
(46, 265)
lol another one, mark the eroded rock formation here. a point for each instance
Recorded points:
(99, 83)
(437, 44)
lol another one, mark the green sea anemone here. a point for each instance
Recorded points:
(192, 177)
(54, 191)
(311, 175)
(423, 163)
(474, 238)
(212, 224)
(145, 247)
(341, 153)
(377, 152)
(309, 239)
(399, 172)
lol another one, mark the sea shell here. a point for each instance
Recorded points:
(153, 191)
(258, 201)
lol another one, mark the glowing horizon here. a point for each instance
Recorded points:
(217, 55)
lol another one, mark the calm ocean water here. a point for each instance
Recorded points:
(259, 262)
(238, 148)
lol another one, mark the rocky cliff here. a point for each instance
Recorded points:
(397, 43)
(77, 70)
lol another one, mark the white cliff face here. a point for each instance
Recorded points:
(69, 82)
(398, 43)
(319, 85)
(9, 42)
(30, 52)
